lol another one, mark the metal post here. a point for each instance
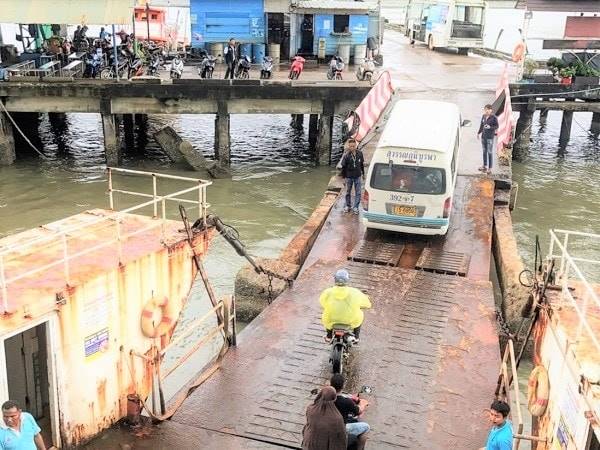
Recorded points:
(379, 26)
(115, 53)
(3, 284)
(164, 220)
(524, 32)
(148, 20)
(563, 256)
(110, 190)
(201, 211)
(155, 205)
(66, 257)
(120, 248)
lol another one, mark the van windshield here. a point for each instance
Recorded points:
(411, 179)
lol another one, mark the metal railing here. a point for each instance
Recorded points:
(63, 235)
(570, 275)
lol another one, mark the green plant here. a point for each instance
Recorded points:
(555, 65)
(582, 69)
(529, 67)
(567, 72)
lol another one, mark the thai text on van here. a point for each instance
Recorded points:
(411, 155)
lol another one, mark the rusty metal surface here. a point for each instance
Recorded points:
(383, 253)
(446, 262)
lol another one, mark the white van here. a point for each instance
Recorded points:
(412, 174)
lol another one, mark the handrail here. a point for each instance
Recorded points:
(62, 235)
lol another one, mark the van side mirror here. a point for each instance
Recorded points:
(465, 123)
(391, 164)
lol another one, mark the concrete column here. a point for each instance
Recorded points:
(323, 147)
(112, 141)
(522, 133)
(297, 121)
(313, 129)
(543, 116)
(222, 139)
(7, 141)
(595, 128)
(565, 127)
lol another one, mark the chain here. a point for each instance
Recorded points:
(270, 289)
(503, 327)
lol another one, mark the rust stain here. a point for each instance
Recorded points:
(101, 394)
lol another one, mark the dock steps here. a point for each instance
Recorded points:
(380, 253)
(442, 261)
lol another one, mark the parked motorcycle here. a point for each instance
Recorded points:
(155, 63)
(243, 68)
(176, 68)
(297, 67)
(136, 67)
(207, 66)
(266, 68)
(93, 65)
(122, 66)
(365, 71)
(341, 343)
(336, 67)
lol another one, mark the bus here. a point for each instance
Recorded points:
(442, 24)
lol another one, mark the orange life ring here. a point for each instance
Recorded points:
(519, 52)
(157, 310)
(538, 391)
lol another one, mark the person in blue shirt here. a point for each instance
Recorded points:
(19, 430)
(501, 434)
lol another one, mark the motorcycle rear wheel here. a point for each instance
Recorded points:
(105, 74)
(337, 360)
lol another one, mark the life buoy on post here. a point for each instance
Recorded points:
(157, 317)
(538, 391)
(519, 52)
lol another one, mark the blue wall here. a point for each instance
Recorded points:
(220, 20)
(359, 26)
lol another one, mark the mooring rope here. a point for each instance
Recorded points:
(21, 132)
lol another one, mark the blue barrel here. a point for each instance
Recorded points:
(246, 49)
(258, 50)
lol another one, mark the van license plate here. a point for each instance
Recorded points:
(405, 211)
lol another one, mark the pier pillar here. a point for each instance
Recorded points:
(313, 129)
(323, 147)
(543, 116)
(565, 128)
(222, 139)
(595, 128)
(112, 144)
(522, 133)
(297, 121)
(7, 141)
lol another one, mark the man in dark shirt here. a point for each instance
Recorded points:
(487, 133)
(230, 58)
(353, 169)
(351, 411)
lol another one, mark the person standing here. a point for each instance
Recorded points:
(501, 434)
(351, 411)
(487, 133)
(230, 58)
(324, 428)
(19, 430)
(353, 169)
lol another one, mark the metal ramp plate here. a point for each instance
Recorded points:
(441, 261)
(380, 253)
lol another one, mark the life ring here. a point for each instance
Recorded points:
(519, 52)
(538, 391)
(157, 309)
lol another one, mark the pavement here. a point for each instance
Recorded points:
(429, 346)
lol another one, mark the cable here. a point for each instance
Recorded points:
(556, 93)
(587, 131)
(21, 132)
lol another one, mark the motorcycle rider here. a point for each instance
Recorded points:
(343, 304)
(351, 410)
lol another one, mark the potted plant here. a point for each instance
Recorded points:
(585, 74)
(529, 67)
(554, 65)
(566, 75)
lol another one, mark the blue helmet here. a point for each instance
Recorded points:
(342, 277)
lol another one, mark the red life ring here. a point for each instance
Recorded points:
(538, 391)
(157, 317)
(519, 52)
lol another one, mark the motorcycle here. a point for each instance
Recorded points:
(93, 65)
(176, 68)
(154, 65)
(207, 66)
(365, 71)
(297, 67)
(136, 67)
(122, 66)
(266, 68)
(336, 67)
(342, 341)
(243, 68)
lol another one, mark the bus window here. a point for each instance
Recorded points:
(467, 22)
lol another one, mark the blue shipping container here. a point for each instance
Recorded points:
(220, 20)
(358, 27)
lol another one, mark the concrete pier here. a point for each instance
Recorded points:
(323, 145)
(565, 127)
(522, 133)
(595, 128)
(222, 139)
(7, 141)
(313, 129)
(129, 131)
(297, 121)
(112, 141)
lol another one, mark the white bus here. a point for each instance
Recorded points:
(458, 24)
(412, 175)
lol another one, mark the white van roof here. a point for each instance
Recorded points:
(421, 124)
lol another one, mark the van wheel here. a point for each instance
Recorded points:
(463, 51)
(430, 43)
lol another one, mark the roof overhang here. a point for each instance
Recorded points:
(572, 6)
(332, 6)
(96, 12)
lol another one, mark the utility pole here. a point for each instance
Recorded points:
(148, 20)
(380, 24)
(526, 19)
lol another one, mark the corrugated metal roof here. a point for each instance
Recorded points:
(334, 5)
(560, 5)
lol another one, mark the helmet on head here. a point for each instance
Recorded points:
(342, 277)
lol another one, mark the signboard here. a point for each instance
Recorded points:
(95, 322)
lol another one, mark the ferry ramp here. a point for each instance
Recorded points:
(428, 347)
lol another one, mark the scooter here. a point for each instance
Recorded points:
(365, 71)
(342, 341)
(297, 67)
(266, 68)
(336, 67)
(176, 68)
(243, 68)
(136, 67)
(207, 66)
(93, 65)
(154, 65)
(122, 66)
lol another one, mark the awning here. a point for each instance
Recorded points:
(89, 12)
(341, 6)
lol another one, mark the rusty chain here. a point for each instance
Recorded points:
(271, 275)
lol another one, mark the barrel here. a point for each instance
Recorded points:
(359, 54)
(275, 52)
(344, 52)
(258, 50)
(246, 50)
(216, 50)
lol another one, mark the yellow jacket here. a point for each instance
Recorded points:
(342, 304)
